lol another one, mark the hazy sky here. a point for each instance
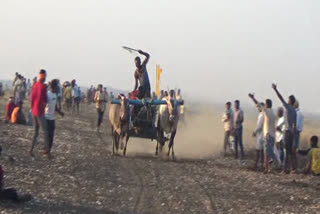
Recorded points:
(217, 49)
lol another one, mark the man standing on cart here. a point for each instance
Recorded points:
(141, 76)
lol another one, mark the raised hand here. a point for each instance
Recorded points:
(251, 95)
(274, 86)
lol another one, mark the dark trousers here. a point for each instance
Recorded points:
(288, 143)
(144, 92)
(9, 194)
(40, 122)
(100, 116)
(51, 126)
(238, 141)
(75, 104)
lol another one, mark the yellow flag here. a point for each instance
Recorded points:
(159, 72)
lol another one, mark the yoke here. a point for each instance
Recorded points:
(146, 102)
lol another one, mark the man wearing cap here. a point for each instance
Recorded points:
(38, 105)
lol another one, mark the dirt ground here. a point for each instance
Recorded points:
(84, 176)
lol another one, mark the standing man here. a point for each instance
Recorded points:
(23, 90)
(111, 96)
(268, 131)
(29, 86)
(100, 98)
(300, 123)
(106, 93)
(18, 84)
(280, 129)
(51, 108)
(258, 133)
(181, 108)
(238, 118)
(15, 79)
(141, 76)
(38, 105)
(161, 94)
(59, 95)
(290, 132)
(75, 96)
(227, 119)
(67, 96)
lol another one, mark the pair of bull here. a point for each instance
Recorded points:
(168, 118)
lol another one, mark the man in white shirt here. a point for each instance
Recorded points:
(280, 129)
(50, 109)
(238, 118)
(300, 123)
(268, 131)
(227, 120)
(75, 93)
(258, 133)
(101, 100)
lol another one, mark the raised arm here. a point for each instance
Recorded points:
(253, 98)
(274, 86)
(146, 60)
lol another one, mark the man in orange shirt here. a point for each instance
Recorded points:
(17, 116)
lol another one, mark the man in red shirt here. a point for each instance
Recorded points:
(38, 104)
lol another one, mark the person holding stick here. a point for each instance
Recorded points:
(141, 76)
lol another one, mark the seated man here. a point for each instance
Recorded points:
(314, 155)
(17, 116)
(9, 109)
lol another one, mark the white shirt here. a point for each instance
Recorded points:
(228, 123)
(269, 121)
(259, 129)
(300, 120)
(60, 92)
(75, 91)
(51, 106)
(282, 125)
(101, 99)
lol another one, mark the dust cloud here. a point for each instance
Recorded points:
(199, 135)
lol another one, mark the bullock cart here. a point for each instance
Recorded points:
(144, 121)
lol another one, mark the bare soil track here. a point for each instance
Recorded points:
(84, 177)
